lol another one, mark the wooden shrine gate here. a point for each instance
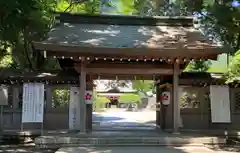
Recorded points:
(194, 109)
(128, 47)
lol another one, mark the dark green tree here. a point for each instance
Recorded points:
(21, 23)
(24, 21)
(217, 19)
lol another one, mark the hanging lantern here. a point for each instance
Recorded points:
(165, 97)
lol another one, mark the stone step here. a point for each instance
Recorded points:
(72, 141)
(16, 138)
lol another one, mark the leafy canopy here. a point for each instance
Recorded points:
(22, 22)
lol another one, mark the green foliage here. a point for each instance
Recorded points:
(6, 58)
(85, 6)
(101, 99)
(127, 7)
(222, 23)
(60, 98)
(6, 61)
(234, 68)
(219, 21)
(154, 7)
(21, 23)
(24, 21)
(99, 103)
(143, 85)
(128, 98)
(199, 66)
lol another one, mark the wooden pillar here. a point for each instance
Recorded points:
(158, 107)
(15, 103)
(15, 97)
(89, 106)
(163, 112)
(82, 105)
(176, 107)
(48, 97)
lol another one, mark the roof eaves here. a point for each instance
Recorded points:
(124, 20)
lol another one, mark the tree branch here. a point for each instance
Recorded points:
(25, 44)
(72, 2)
(26, 49)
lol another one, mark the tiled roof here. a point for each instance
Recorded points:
(164, 36)
(122, 36)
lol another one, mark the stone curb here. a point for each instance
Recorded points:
(121, 141)
(54, 146)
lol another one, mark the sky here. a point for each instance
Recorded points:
(236, 3)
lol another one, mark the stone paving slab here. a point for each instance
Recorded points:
(184, 149)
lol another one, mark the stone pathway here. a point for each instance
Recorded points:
(119, 119)
(185, 149)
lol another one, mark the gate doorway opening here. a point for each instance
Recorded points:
(120, 107)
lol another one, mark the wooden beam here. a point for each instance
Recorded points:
(124, 20)
(126, 69)
(130, 71)
(129, 65)
(175, 52)
(123, 77)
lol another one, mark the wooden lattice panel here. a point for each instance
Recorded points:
(237, 100)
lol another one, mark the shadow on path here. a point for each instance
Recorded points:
(121, 120)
